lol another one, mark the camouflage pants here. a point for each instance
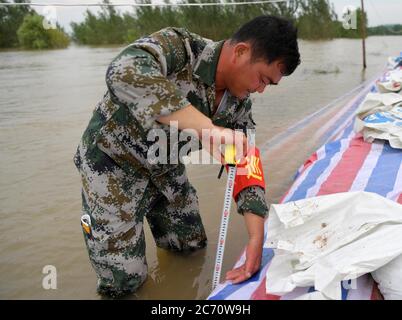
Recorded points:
(117, 246)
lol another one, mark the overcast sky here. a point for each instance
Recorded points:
(378, 11)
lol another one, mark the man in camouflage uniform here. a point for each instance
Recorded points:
(171, 75)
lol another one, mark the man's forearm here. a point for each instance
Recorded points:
(189, 118)
(213, 136)
(255, 226)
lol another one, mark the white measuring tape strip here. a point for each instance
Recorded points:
(230, 153)
(224, 225)
(229, 158)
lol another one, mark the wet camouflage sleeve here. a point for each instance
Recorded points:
(137, 79)
(251, 199)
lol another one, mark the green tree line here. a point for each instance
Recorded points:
(20, 26)
(389, 30)
(315, 19)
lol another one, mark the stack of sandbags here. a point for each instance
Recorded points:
(380, 117)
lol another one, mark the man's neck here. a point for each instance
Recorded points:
(221, 70)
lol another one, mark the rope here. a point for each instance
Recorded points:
(141, 4)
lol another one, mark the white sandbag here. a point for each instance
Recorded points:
(380, 117)
(389, 279)
(324, 240)
(394, 62)
(390, 82)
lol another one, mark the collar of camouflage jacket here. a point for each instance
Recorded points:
(207, 62)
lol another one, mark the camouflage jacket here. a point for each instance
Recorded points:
(154, 76)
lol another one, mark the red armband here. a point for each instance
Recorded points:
(249, 172)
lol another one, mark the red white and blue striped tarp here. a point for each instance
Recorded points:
(345, 163)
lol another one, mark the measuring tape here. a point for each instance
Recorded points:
(231, 161)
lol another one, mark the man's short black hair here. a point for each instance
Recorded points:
(272, 38)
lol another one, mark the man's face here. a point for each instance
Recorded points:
(247, 76)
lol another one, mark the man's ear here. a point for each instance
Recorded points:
(240, 49)
(282, 67)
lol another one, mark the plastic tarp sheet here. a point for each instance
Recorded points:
(324, 240)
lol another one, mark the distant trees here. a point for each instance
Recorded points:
(32, 35)
(108, 27)
(20, 26)
(342, 32)
(214, 22)
(11, 18)
(315, 19)
(389, 30)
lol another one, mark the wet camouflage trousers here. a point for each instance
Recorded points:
(119, 258)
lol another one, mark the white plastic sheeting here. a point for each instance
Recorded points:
(389, 279)
(324, 240)
(394, 62)
(391, 81)
(380, 117)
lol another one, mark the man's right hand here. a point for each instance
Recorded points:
(213, 139)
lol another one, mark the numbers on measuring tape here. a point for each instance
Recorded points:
(224, 224)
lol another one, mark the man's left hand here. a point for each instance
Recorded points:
(252, 264)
